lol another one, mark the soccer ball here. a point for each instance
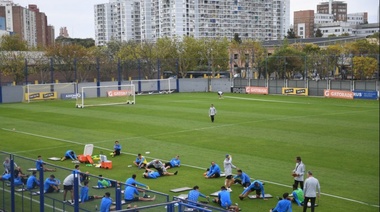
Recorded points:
(79, 106)
(308, 204)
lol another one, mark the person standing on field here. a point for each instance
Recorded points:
(228, 172)
(298, 172)
(212, 112)
(311, 190)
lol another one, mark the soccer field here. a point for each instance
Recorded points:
(337, 139)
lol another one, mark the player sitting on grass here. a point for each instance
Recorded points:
(224, 200)
(117, 149)
(32, 181)
(140, 161)
(84, 193)
(194, 194)
(40, 164)
(132, 180)
(51, 184)
(284, 205)
(131, 191)
(213, 171)
(298, 195)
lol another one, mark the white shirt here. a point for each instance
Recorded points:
(212, 111)
(228, 166)
(69, 180)
(311, 187)
(300, 170)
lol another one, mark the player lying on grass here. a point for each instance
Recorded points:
(105, 183)
(154, 174)
(174, 162)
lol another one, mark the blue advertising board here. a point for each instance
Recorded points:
(365, 94)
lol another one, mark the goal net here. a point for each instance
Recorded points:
(106, 95)
(155, 86)
(39, 92)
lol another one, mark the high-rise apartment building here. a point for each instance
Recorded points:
(336, 8)
(141, 20)
(63, 32)
(29, 23)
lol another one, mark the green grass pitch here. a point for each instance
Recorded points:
(337, 139)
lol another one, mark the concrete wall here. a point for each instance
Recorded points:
(11, 94)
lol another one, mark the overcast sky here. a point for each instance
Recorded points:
(78, 15)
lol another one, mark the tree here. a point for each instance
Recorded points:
(237, 39)
(66, 58)
(344, 34)
(12, 43)
(318, 33)
(86, 42)
(12, 64)
(364, 67)
(286, 62)
(291, 34)
(189, 51)
(331, 35)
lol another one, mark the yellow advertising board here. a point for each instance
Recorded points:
(295, 91)
(41, 96)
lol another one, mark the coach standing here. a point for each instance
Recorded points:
(298, 172)
(311, 188)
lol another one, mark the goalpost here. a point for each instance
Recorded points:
(154, 86)
(49, 91)
(106, 95)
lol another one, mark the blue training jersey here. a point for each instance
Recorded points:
(259, 187)
(105, 204)
(129, 192)
(117, 147)
(130, 181)
(193, 196)
(153, 175)
(213, 170)
(175, 162)
(225, 198)
(32, 180)
(84, 193)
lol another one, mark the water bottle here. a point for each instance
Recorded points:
(96, 207)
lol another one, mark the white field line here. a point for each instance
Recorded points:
(265, 100)
(290, 102)
(196, 167)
